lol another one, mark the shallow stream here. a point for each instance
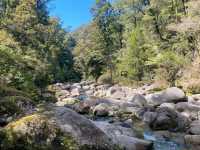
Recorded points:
(163, 144)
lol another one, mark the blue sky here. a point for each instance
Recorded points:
(72, 12)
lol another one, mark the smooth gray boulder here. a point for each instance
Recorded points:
(125, 137)
(171, 95)
(139, 100)
(80, 128)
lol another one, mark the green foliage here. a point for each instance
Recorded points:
(170, 62)
(13, 102)
(34, 49)
(135, 56)
(132, 34)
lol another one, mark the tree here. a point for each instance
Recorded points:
(36, 50)
(136, 55)
(106, 19)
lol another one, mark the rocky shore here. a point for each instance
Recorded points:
(95, 116)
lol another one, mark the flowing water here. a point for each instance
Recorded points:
(163, 144)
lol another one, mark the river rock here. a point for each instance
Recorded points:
(168, 105)
(101, 110)
(123, 136)
(75, 92)
(149, 117)
(115, 92)
(185, 106)
(172, 95)
(139, 100)
(196, 97)
(118, 95)
(168, 119)
(82, 129)
(61, 94)
(192, 140)
(195, 127)
(82, 108)
(192, 111)
(67, 101)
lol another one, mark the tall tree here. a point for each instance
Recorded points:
(111, 30)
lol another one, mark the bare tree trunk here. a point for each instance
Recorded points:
(184, 7)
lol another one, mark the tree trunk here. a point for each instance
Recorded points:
(184, 7)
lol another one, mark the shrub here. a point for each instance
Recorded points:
(169, 64)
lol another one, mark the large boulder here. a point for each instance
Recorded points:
(80, 128)
(139, 100)
(189, 110)
(168, 119)
(56, 126)
(171, 95)
(35, 132)
(125, 137)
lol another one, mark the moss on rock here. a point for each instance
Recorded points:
(35, 132)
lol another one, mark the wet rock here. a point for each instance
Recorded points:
(166, 135)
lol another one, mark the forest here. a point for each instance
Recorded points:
(129, 43)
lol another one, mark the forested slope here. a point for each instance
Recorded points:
(150, 40)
